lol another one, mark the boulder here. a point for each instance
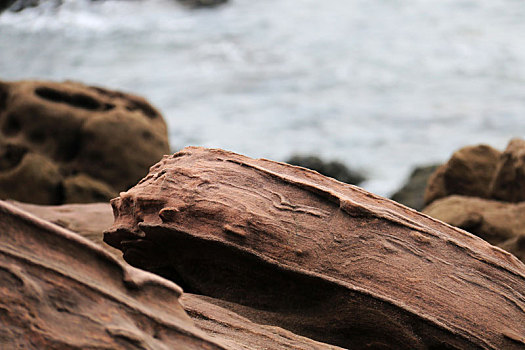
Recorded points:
(508, 183)
(413, 191)
(60, 291)
(334, 169)
(201, 3)
(469, 172)
(494, 221)
(317, 257)
(98, 142)
(516, 246)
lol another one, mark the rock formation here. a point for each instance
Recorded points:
(413, 191)
(291, 248)
(67, 142)
(59, 291)
(334, 169)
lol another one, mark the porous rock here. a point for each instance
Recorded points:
(413, 191)
(508, 183)
(320, 258)
(468, 172)
(492, 220)
(101, 141)
(60, 291)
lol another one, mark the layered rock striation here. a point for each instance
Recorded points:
(287, 247)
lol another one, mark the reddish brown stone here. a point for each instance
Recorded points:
(60, 291)
(317, 257)
(469, 172)
(509, 178)
(93, 142)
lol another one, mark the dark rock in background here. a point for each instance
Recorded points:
(413, 191)
(202, 3)
(68, 142)
(334, 169)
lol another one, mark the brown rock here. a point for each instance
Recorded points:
(208, 314)
(105, 139)
(509, 179)
(320, 258)
(469, 172)
(413, 191)
(494, 221)
(59, 291)
(516, 246)
(217, 319)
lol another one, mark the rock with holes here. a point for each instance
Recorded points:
(317, 257)
(469, 172)
(60, 291)
(101, 141)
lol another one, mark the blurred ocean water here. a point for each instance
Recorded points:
(382, 85)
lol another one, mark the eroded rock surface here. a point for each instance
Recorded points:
(71, 143)
(317, 257)
(59, 291)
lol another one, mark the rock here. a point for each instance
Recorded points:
(516, 246)
(469, 172)
(201, 3)
(60, 291)
(334, 169)
(494, 221)
(101, 141)
(508, 183)
(317, 257)
(413, 191)
(236, 332)
(5, 4)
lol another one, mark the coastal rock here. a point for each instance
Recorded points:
(516, 246)
(494, 221)
(208, 314)
(413, 191)
(60, 291)
(101, 141)
(319, 258)
(201, 3)
(509, 179)
(334, 169)
(469, 172)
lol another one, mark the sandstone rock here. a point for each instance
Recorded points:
(413, 191)
(105, 140)
(469, 172)
(494, 221)
(238, 332)
(232, 330)
(334, 169)
(59, 291)
(509, 179)
(318, 257)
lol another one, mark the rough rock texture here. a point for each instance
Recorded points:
(91, 142)
(210, 315)
(494, 221)
(317, 257)
(334, 169)
(469, 172)
(413, 191)
(508, 183)
(218, 320)
(59, 291)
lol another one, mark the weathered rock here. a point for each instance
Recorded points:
(413, 191)
(494, 221)
(59, 291)
(318, 257)
(508, 183)
(102, 142)
(516, 246)
(210, 315)
(218, 320)
(469, 172)
(334, 169)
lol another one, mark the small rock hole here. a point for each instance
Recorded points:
(12, 125)
(75, 100)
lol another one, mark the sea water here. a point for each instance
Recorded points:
(382, 85)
